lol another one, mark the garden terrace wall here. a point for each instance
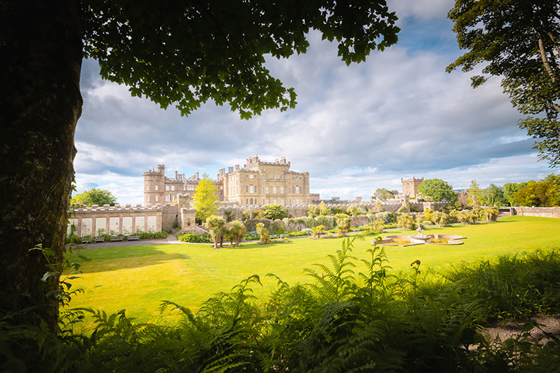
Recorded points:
(116, 219)
(543, 212)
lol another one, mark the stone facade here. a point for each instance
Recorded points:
(410, 186)
(97, 220)
(159, 189)
(256, 183)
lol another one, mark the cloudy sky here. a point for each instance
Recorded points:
(355, 129)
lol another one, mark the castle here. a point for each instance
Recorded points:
(257, 183)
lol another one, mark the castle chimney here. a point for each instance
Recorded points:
(197, 176)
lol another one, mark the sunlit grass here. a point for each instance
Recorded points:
(138, 278)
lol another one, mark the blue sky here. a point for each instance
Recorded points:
(355, 128)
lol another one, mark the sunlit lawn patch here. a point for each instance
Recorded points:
(138, 278)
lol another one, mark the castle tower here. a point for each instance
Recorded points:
(410, 186)
(154, 185)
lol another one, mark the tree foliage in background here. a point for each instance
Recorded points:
(205, 199)
(494, 196)
(94, 196)
(274, 211)
(383, 194)
(539, 194)
(510, 189)
(475, 194)
(438, 190)
(519, 41)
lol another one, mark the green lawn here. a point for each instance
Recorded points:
(138, 278)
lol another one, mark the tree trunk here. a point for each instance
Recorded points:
(40, 103)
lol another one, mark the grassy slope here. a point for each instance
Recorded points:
(137, 278)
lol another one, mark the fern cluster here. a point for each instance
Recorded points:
(353, 316)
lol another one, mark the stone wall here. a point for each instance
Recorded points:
(543, 212)
(170, 212)
(117, 219)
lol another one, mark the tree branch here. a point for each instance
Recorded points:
(545, 60)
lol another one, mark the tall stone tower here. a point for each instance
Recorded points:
(154, 185)
(410, 186)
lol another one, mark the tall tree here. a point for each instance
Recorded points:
(205, 199)
(438, 190)
(494, 196)
(519, 41)
(510, 189)
(383, 194)
(537, 193)
(174, 52)
(94, 196)
(475, 194)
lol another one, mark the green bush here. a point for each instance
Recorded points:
(195, 238)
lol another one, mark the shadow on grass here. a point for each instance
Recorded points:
(124, 257)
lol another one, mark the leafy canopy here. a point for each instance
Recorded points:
(383, 194)
(191, 52)
(94, 196)
(510, 189)
(519, 41)
(274, 211)
(542, 193)
(494, 196)
(205, 199)
(438, 190)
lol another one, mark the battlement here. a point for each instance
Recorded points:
(412, 179)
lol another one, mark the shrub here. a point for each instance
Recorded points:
(194, 238)
(406, 222)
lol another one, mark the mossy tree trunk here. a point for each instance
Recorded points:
(40, 103)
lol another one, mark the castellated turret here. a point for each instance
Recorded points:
(154, 185)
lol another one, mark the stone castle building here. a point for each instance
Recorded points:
(256, 183)
(410, 186)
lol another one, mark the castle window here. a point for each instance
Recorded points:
(275, 201)
(267, 176)
(274, 177)
(251, 189)
(267, 190)
(281, 190)
(147, 187)
(251, 201)
(172, 187)
(148, 198)
(247, 189)
(255, 189)
(281, 177)
(184, 187)
(191, 187)
(157, 198)
(274, 191)
(167, 187)
(267, 202)
(246, 201)
(156, 187)
(281, 201)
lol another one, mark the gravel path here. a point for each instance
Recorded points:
(505, 330)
